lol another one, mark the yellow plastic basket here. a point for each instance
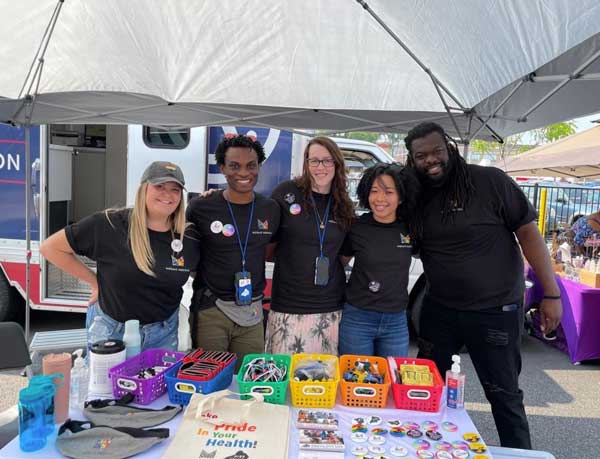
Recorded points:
(314, 394)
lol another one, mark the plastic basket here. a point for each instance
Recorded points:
(314, 394)
(125, 381)
(273, 392)
(180, 390)
(364, 394)
(418, 398)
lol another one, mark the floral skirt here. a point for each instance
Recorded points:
(302, 333)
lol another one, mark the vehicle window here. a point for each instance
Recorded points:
(174, 138)
(356, 162)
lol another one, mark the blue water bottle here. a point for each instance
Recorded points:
(32, 435)
(48, 387)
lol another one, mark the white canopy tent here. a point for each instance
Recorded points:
(576, 156)
(480, 68)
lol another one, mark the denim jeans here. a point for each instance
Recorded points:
(161, 335)
(365, 332)
(493, 339)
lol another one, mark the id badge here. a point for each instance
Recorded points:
(321, 271)
(243, 288)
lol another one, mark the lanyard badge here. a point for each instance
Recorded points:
(321, 262)
(242, 279)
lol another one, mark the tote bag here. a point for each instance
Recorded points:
(217, 427)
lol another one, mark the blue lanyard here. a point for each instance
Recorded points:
(318, 220)
(237, 232)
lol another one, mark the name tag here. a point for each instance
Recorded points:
(243, 288)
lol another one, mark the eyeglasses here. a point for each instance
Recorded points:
(314, 162)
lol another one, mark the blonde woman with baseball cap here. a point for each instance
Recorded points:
(144, 256)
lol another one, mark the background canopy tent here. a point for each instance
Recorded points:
(321, 64)
(576, 156)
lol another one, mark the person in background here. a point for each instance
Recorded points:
(309, 281)
(144, 256)
(584, 228)
(473, 222)
(235, 225)
(374, 318)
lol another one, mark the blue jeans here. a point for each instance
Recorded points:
(162, 335)
(365, 332)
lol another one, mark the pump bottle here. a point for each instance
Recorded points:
(455, 385)
(79, 382)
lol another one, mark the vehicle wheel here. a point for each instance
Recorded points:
(415, 305)
(11, 302)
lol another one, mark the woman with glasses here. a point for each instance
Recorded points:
(309, 280)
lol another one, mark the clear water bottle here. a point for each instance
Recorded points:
(98, 332)
(132, 338)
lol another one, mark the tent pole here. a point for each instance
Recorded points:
(500, 105)
(27, 216)
(573, 76)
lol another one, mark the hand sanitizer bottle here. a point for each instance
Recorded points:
(79, 382)
(455, 385)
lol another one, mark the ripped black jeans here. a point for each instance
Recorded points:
(493, 339)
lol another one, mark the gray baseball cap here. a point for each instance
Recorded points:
(163, 171)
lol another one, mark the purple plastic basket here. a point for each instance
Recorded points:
(125, 381)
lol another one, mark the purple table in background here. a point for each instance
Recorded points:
(580, 324)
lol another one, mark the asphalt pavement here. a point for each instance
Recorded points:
(562, 400)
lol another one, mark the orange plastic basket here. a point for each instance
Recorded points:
(418, 398)
(364, 394)
(313, 394)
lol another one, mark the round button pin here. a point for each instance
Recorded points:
(394, 423)
(460, 445)
(358, 437)
(379, 431)
(376, 449)
(421, 444)
(443, 445)
(176, 245)
(460, 454)
(433, 435)
(228, 230)
(216, 227)
(443, 455)
(359, 451)
(429, 425)
(374, 286)
(478, 448)
(359, 428)
(359, 420)
(397, 431)
(295, 209)
(424, 454)
(411, 426)
(471, 437)
(376, 440)
(414, 433)
(449, 426)
(399, 451)
(374, 420)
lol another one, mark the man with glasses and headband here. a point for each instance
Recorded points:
(236, 225)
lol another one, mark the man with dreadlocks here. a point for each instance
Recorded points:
(468, 220)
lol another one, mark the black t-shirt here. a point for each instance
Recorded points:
(473, 260)
(294, 290)
(125, 292)
(383, 253)
(221, 254)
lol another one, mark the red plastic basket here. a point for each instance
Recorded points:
(418, 398)
(125, 381)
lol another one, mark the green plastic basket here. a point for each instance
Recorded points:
(273, 392)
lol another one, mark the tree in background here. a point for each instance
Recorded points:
(553, 132)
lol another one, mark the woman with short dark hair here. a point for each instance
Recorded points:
(374, 317)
